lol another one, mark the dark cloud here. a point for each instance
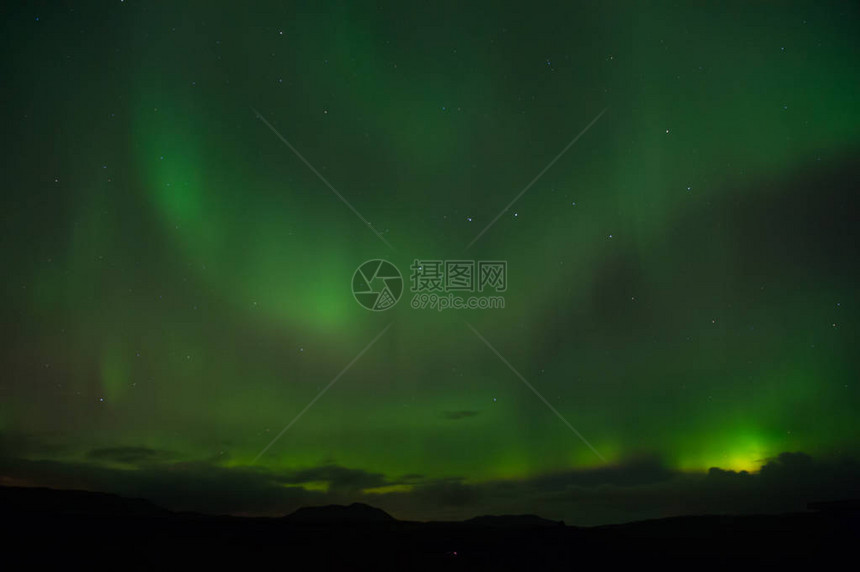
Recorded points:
(637, 491)
(339, 479)
(634, 491)
(129, 455)
(199, 487)
(455, 415)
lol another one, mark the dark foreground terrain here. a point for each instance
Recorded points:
(82, 530)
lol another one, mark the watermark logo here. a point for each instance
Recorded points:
(435, 284)
(459, 275)
(377, 285)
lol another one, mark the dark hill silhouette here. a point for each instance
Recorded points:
(38, 500)
(356, 513)
(844, 506)
(102, 531)
(513, 521)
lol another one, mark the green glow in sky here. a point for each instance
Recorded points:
(682, 282)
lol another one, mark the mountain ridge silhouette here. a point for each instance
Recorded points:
(137, 534)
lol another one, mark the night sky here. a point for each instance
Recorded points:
(178, 253)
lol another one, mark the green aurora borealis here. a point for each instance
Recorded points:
(682, 282)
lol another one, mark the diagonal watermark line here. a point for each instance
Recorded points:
(538, 176)
(535, 391)
(321, 178)
(320, 394)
